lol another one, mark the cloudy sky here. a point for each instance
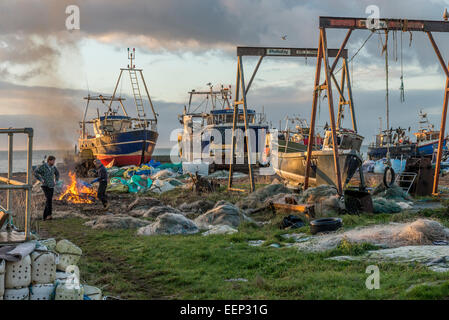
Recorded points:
(46, 70)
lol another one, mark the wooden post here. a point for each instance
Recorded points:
(313, 116)
(441, 139)
(234, 125)
(350, 99)
(331, 111)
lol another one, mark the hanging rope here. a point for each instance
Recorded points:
(401, 88)
(356, 53)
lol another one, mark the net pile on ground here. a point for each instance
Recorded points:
(393, 235)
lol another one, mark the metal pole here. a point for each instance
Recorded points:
(331, 111)
(10, 170)
(29, 182)
(254, 74)
(313, 116)
(148, 95)
(350, 98)
(341, 100)
(115, 89)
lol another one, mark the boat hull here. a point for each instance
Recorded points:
(405, 151)
(426, 149)
(291, 166)
(122, 149)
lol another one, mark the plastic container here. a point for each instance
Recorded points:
(42, 291)
(43, 267)
(69, 254)
(18, 274)
(69, 292)
(92, 293)
(17, 294)
(2, 278)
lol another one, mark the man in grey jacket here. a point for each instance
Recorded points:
(103, 183)
(48, 175)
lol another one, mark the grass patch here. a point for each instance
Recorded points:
(196, 267)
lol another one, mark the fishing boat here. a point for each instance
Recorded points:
(296, 139)
(117, 138)
(290, 164)
(427, 138)
(207, 129)
(393, 141)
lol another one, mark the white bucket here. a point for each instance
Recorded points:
(92, 292)
(43, 267)
(2, 278)
(69, 292)
(17, 294)
(18, 274)
(41, 291)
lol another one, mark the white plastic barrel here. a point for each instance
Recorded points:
(17, 294)
(43, 267)
(69, 254)
(41, 291)
(69, 292)
(92, 292)
(18, 274)
(2, 278)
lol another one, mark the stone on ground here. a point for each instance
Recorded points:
(169, 224)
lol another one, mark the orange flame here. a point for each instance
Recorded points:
(77, 194)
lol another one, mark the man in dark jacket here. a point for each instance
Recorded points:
(103, 183)
(48, 175)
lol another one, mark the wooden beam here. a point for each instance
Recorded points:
(385, 24)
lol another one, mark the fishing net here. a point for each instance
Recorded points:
(393, 235)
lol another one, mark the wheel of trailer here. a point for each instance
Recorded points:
(325, 225)
(389, 177)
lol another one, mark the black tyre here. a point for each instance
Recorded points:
(389, 177)
(325, 225)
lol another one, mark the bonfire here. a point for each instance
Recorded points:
(76, 192)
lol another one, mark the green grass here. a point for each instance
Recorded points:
(196, 267)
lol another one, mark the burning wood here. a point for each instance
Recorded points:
(75, 192)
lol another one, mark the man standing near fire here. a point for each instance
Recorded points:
(103, 183)
(48, 175)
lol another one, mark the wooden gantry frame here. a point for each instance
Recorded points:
(404, 25)
(11, 236)
(242, 89)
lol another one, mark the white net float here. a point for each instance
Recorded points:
(18, 274)
(49, 243)
(17, 294)
(69, 254)
(68, 291)
(2, 278)
(93, 293)
(42, 291)
(43, 267)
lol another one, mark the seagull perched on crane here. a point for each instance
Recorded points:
(284, 37)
